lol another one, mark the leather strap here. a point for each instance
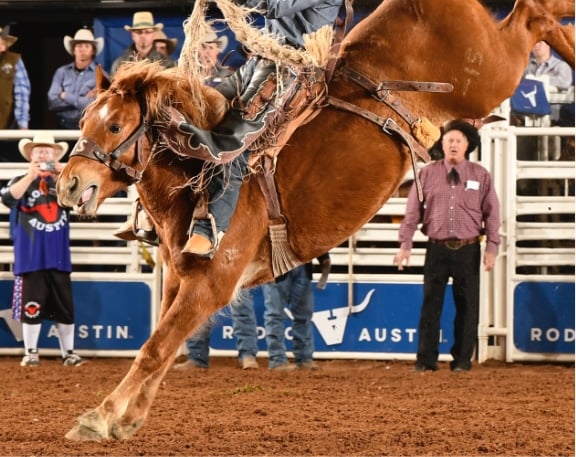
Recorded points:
(340, 31)
(268, 186)
(414, 86)
(389, 126)
(455, 244)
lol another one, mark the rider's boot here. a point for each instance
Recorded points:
(213, 211)
(198, 245)
(138, 226)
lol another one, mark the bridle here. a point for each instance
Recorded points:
(86, 147)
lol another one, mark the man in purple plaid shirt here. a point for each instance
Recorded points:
(460, 206)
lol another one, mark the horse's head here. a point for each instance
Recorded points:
(120, 131)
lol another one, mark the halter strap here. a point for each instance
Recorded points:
(86, 147)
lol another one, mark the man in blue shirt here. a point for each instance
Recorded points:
(73, 85)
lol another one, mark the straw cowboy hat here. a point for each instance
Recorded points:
(25, 145)
(9, 39)
(171, 43)
(83, 36)
(212, 37)
(143, 20)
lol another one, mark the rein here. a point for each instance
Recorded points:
(85, 147)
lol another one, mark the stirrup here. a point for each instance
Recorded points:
(137, 227)
(196, 237)
(127, 231)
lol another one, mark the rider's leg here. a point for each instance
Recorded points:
(224, 189)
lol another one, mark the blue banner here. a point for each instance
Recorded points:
(110, 315)
(544, 317)
(383, 319)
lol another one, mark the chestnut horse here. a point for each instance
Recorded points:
(332, 177)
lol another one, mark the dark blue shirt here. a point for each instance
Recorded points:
(41, 231)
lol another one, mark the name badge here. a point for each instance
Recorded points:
(472, 185)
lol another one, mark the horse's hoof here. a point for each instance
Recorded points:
(81, 433)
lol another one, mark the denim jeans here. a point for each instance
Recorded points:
(244, 325)
(224, 189)
(293, 291)
(199, 345)
(245, 331)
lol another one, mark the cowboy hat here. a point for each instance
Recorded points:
(143, 20)
(83, 36)
(171, 43)
(25, 145)
(9, 39)
(212, 37)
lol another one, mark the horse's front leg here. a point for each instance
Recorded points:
(124, 411)
(108, 422)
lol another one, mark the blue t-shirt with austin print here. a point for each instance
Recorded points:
(41, 229)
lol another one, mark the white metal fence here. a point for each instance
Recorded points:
(537, 230)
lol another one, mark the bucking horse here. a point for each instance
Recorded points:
(331, 177)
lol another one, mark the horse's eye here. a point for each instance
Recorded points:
(115, 128)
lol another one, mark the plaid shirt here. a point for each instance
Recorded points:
(22, 91)
(453, 211)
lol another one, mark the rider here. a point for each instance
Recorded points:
(288, 20)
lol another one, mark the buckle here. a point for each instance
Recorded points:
(454, 244)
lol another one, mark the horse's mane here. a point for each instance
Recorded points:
(164, 87)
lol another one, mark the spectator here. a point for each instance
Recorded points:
(164, 45)
(244, 324)
(557, 73)
(292, 291)
(42, 263)
(14, 85)
(460, 205)
(212, 47)
(73, 85)
(543, 63)
(143, 32)
(289, 21)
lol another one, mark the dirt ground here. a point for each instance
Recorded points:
(348, 408)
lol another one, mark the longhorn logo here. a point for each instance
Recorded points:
(531, 96)
(331, 323)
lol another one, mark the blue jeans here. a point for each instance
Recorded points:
(245, 331)
(293, 291)
(244, 325)
(224, 189)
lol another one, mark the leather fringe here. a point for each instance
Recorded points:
(283, 259)
(425, 132)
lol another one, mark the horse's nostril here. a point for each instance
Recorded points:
(73, 185)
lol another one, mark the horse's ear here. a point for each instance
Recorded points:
(102, 81)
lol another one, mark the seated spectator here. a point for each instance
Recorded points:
(554, 72)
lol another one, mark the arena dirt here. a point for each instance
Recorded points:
(348, 408)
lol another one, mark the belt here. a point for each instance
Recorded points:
(454, 243)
